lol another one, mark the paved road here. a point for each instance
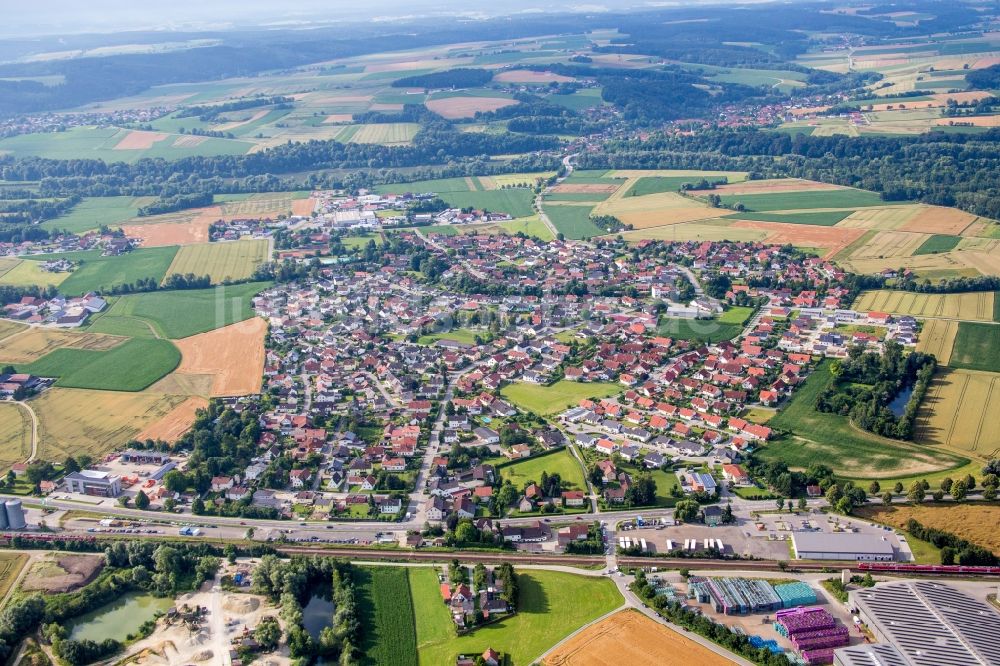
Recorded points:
(568, 166)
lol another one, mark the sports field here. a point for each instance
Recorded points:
(848, 450)
(548, 400)
(235, 260)
(178, 314)
(74, 421)
(969, 306)
(960, 410)
(552, 605)
(629, 637)
(977, 347)
(562, 463)
(938, 337)
(130, 366)
(15, 435)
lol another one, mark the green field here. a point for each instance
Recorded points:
(458, 335)
(595, 197)
(390, 633)
(562, 463)
(439, 186)
(587, 98)
(99, 144)
(847, 198)
(704, 330)
(831, 439)
(92, 212)
(977, 347)
(179, 314)
(821, 219)
(131, 366)
(19, 273)
(547, 400)
(98, 273)
(516, 202)
(573, 221)
(938, 243)
(552, 605)
(657, 184)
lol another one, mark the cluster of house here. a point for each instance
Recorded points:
(58, 311)
(14, 385)
(111, 243)
(465, 601)
(39, 123)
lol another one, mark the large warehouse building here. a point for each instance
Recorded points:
(842, 546)
(928, 624)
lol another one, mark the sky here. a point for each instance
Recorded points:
(77, 16)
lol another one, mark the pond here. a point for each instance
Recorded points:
(119, 618)
(898, 404)
(317, 615)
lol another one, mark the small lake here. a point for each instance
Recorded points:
(317, 615)
(898, 404)
(119, 618)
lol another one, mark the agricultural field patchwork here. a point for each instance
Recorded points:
(99, 273)
(131, 366)
(92, 212)
(821, 197)
(25, 345)
(28, 273)
(225, 261)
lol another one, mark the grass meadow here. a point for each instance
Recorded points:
(573, 221)
(548, 400)
(131, 366)
(561, 462)
(99, 273)
(846, 198)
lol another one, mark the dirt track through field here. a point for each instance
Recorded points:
(629, 637)
(234, 354)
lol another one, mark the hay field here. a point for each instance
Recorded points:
(74, 421)
(175, 423)
(629, 637)
(28, 273)
(832, 239)
(686, 232)
(584, 188)
(387, 134)
(33, 343)
(969, 306)
(977, 121)
(655, 210)
(270, 204)
(938, 337)
(8, 264)
(514, 180)
(939, 220)
(234, 260)
(15, 435)
(139, 140)
(974, 522)
(886, 244)
(466, 107)
(170, 233)
(883, 219)
(9, 328)
(234, 355)
(959, 412)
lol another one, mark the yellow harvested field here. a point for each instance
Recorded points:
(939, 220)
(977, 121)
(686, 232)
(585, 188)
(528, 76)
(985, 263)
(629, 637)
(513, 179)
(303, 207)
(170, 233)
(924, 265)
(655, 210)
(27, 273)
(188, 141)
(338, 118)
(973, 522)
(9, 328)
(233, 260)
(187, 385)
(959, 411)
(832, 239)
(466, 107)
(75, 421)
(259, 205)
(15, 435)
(884, 219)
(973, 244)
(938, 337)
(386, 133)
(890, 244)
(33, 343)
(175, 423)
(139, 140)
(233, 355)
(731, 176)
(7, 264)
(969, 306)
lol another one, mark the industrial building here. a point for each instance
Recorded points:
(877, 654)
(930, 623)
(842, 546)
(94, 482)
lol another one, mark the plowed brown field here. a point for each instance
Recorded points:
(233, 354)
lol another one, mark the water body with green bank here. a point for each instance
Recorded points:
(118, 619)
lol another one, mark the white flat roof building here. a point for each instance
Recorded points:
(842, 546)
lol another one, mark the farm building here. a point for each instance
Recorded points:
(964, 629)
(842, 546)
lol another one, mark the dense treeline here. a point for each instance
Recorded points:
(961, 170)
(177, 202)
(12, 294)
(32, 210)
(866, 383)
(987, 78)
(209, 112)
(462, 77)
